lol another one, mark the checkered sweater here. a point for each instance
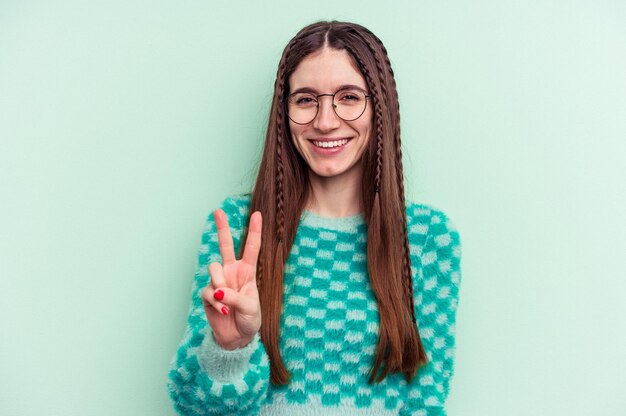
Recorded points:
(329, 326)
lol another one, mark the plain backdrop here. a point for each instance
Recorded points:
(123, 124)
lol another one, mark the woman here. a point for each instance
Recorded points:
(344, 297)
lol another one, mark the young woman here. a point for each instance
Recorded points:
(342, 298)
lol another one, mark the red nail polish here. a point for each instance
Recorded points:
(219, 295)
(225, 310)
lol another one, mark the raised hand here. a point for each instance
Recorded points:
(231, 299)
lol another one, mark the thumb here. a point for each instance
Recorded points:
(231, 298)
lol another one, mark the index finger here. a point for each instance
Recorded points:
(253, 242)
(224, 238)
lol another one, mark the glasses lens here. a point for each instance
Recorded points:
(302, 107)
(350, 104)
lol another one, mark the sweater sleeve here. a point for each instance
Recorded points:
(205, 379)
(436, 300)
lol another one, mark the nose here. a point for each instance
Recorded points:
(326, 118)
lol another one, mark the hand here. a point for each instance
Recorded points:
(231, 299)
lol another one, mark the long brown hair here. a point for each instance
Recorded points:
(282, 189)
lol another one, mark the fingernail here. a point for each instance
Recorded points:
(219, 295)
(225, 310)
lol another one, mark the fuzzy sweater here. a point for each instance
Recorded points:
(329, 326)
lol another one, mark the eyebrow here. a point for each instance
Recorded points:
(341, 87)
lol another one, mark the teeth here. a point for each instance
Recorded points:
(334, 143)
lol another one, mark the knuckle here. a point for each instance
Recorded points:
(207, 293)
(214, 268)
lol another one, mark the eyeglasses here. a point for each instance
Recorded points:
(348, 103)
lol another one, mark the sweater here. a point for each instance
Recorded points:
(328, 327)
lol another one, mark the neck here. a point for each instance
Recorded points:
(334, 197)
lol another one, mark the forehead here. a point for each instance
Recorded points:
(326, 70)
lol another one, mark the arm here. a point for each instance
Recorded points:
(205, 379)
(436, 300)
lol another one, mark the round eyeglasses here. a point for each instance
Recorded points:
(348, 103)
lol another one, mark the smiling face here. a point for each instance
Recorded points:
(331, 146)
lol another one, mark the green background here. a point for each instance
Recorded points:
(124, 123)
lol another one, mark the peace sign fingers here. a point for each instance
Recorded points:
(224, 238)
(231, 299)
(253, 242)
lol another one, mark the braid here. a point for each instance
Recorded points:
(379, 145)
(406, 264)
(379, 65)
(407, 280)
(406, 260)
(379, 117)
(280, 211)
(280, 121)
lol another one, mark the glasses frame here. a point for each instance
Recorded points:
(317, 98)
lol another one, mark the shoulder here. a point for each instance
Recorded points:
(435, 247)
(429, 226)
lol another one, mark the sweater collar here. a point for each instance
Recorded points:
(313, 220)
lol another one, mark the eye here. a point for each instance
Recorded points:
(350, 97)
(303, 100)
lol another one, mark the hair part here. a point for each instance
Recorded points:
(283, 182)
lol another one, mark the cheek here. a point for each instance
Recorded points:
(367, 124)
(366, 130)
(295, 136)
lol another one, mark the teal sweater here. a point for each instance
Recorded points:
(329, 326)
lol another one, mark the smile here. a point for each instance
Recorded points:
(330, 144)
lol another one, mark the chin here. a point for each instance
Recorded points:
(331, 171)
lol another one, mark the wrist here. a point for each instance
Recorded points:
(222, 365)
(233, 344)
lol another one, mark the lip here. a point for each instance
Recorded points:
(329, 151)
